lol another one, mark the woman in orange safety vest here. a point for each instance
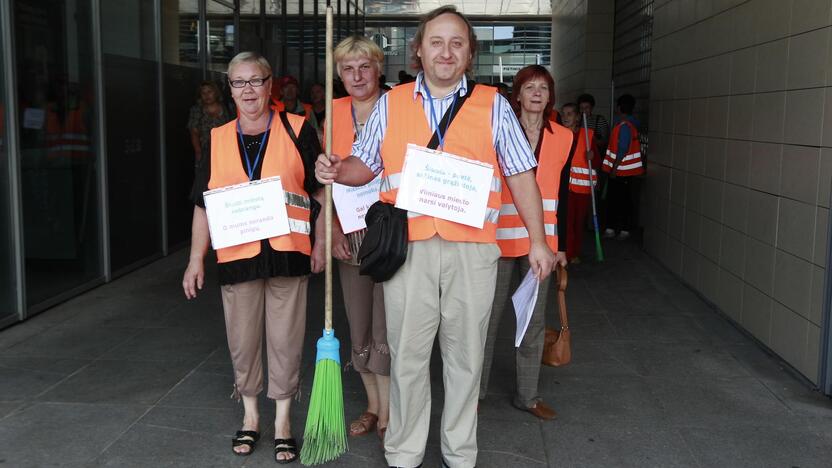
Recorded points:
(581, 184)
(533, 97)
(263, 283)
(359, 61)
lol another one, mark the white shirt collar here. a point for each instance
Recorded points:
(462, 87)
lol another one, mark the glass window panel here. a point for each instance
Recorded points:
(220, 21)
(468, 7)
(180, 29)
(59, 174)
(130, 70)
(181, 80)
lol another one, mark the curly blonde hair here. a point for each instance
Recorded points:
(358, 46)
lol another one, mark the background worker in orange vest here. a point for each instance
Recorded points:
(533, 99)
(263, 283)
(447, 282)
(580, 189)
(623, 164)
(358, 61)
(285, 98)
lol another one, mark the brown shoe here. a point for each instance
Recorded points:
(380, 431)
(364, 424)
(542, 411)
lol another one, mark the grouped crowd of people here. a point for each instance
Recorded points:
(456, 279)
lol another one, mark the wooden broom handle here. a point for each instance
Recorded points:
(562, 280)
(328, 188)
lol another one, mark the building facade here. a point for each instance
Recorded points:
(97, 164)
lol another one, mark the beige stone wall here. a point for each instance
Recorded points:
(738, 190)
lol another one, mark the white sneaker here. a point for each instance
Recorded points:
(609, 233)
(623, 235)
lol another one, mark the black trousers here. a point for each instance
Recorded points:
(622, 203)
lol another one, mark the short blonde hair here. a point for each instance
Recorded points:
(250, 57)
(358, 46)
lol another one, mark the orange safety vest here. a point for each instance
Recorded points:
(469, 136)
(631, 165)
(278, 106)
(512, 236)
(343, 129)
(70, 138)
(579, 172)
(280, 159)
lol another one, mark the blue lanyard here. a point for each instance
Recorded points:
(433, 120)
(249, 166)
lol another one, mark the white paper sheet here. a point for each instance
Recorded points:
(445, 186)
(246, 212)
(524, 299)
(352, 203)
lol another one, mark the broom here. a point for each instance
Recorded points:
(325, 437)
(599, 253)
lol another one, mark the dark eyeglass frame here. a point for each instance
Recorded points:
(242, 83)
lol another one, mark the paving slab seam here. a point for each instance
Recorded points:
(720, 313)
(179, 429)
(150, 408)
(777, 397)
(688, 447)
(59, 382)
(15, 410)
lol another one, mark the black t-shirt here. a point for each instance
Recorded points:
(269, 263)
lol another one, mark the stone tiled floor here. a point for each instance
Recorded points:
(131, 374)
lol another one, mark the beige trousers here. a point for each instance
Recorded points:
(444, 287)
(364, 304)
(278, 307)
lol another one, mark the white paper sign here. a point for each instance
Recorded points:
(246, 212)
(34, 118)
(445, 186)
(352, 203)
(524, 300)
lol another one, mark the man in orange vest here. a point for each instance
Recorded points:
(447, 283)
(285, 98)
(623, 164)
(580, 187)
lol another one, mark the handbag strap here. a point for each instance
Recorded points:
(562, 280)
(450, 115)
(290, 131)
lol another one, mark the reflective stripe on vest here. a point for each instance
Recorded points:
(468, 136)
(580, 170)
(631, 164)
(282, 159)
(522, 233)
(512, 235)
(67, 139)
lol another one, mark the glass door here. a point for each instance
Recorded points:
(131, 87)
(57, 118)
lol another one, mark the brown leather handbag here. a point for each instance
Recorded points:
(557, 347)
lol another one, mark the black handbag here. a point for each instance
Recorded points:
(384, 248)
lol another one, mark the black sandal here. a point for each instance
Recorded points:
(289, 446)
(247, 438)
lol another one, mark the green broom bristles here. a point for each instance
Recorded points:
(325, 437)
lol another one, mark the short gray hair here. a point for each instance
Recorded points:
(250, 57)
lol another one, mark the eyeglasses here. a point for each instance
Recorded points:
(254, 82)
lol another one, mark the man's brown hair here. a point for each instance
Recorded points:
(416, 62)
